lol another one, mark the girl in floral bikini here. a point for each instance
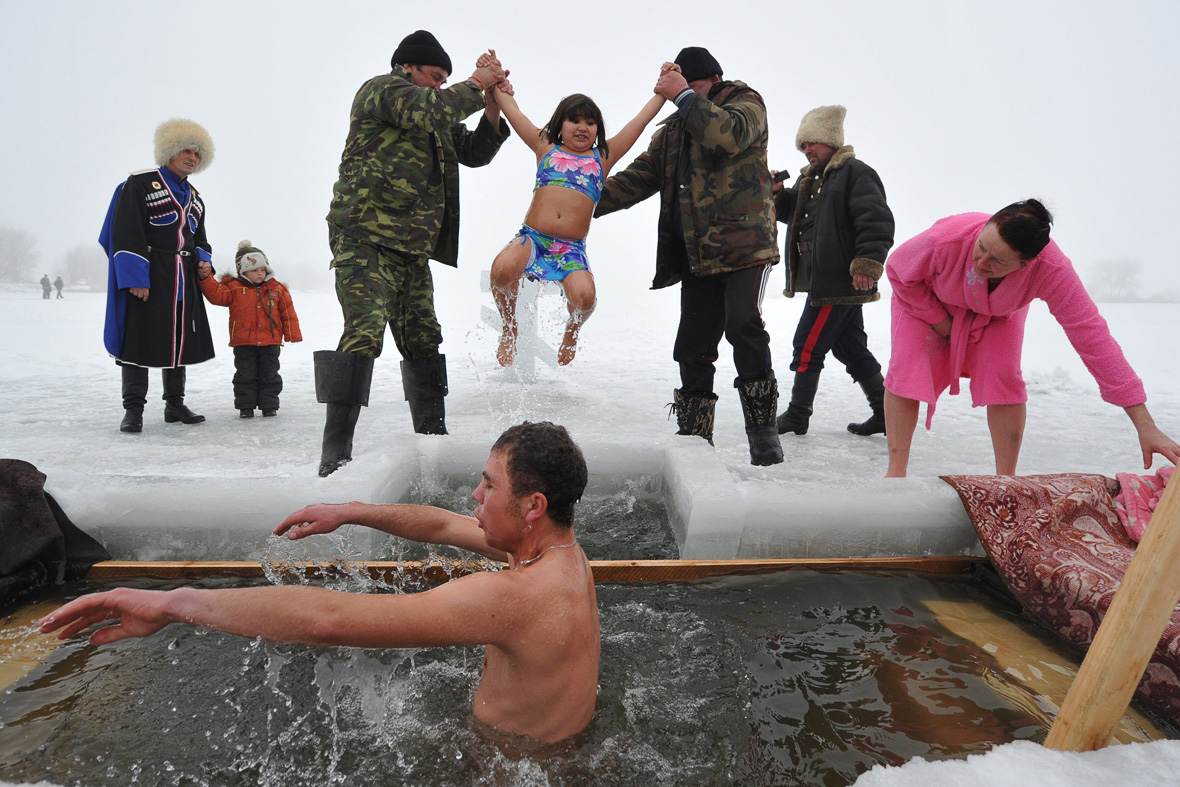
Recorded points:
(573, 160)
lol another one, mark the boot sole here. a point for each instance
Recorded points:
(327, 468)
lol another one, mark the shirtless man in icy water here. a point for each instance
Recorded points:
(538, 620)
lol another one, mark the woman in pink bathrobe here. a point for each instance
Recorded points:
(961, 292)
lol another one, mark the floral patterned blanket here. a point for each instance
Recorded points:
(1059, 545)
(1138, 497)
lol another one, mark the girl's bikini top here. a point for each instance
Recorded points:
(583, 173)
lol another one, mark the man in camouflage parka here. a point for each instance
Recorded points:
(394, 208)
(717, 237)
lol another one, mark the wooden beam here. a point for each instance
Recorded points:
(1129, 633)
(604, 570)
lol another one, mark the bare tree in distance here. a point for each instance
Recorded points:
(86, 264)
(18, 255)
(1115, 281)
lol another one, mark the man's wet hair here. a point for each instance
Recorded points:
(542, 457)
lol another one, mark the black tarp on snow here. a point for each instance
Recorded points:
(39, 545)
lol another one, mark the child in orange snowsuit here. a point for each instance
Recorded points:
(261, 316)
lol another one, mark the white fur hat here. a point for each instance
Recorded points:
(824, 125)
(177, 134)
(250, 257)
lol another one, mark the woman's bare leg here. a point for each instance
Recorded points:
(581, 298)
(901, 419)
(507, 270)
(1006, 422)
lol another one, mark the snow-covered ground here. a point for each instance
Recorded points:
(60, 410)
(61, 394)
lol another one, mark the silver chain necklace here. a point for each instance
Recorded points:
(543, 551)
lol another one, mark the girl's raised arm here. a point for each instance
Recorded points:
(528, 133)
(620, 143)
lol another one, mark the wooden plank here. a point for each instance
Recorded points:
(22, 646)
(604, 570)
(1032, 675)
(1129, 633)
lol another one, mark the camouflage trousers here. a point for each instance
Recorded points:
(378, 287)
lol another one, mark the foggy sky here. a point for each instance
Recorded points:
(958, 106)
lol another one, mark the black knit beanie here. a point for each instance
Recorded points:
(696, 63)
(421, 49)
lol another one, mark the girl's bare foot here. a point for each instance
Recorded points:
(569, 345)
(506, 352)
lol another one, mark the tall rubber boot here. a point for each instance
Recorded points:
(695, 412)
(874, 388)
(798, 413)
(339, 427)
(425, 384)
(135, 388)
(174, 407)
(342, 382)
(759, 404)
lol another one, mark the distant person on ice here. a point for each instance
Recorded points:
(961, 292)
(154, 236)
(58, 283)
(261, 316)
(538, 619)
(395, 207)
(573, 157)
(716, 236)
(46, 286)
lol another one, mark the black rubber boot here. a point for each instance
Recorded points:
(874, 388)
(135, 388)
(342, 382)
(339, 426)
(695, 413)
(798, 412)
(174, 407)
(425, 383)
(759, 403)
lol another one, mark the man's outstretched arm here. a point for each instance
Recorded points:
(476, 609)
(426, 524)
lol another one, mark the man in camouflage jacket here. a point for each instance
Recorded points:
(394, 208)
(717, 237)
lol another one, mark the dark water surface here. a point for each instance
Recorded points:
(798, 678)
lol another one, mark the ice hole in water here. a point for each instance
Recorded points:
(799, 677)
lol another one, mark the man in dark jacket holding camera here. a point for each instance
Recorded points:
(841, 230)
